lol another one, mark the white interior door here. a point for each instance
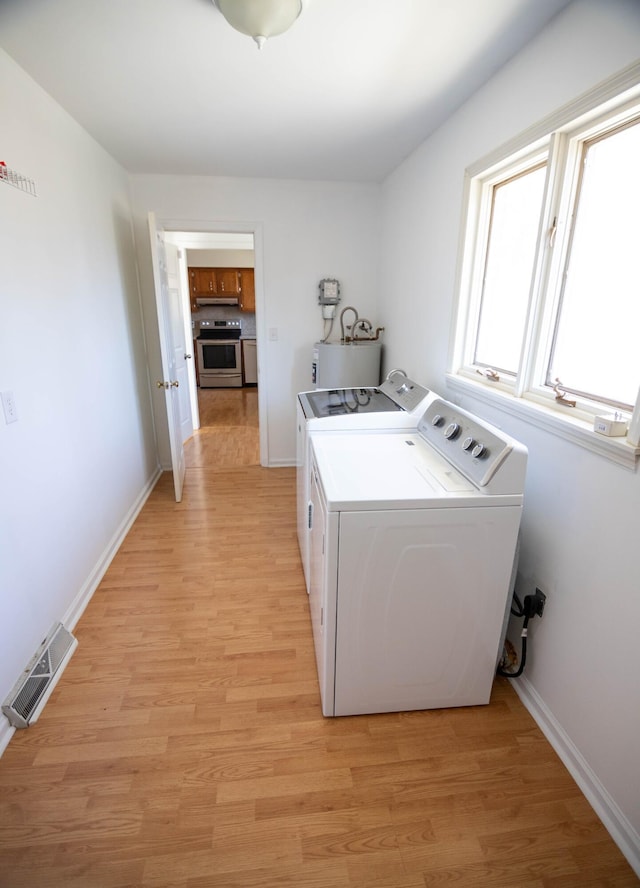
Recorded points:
(183, 287)
(170, 381)
(182, 349)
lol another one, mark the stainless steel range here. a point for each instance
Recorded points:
(220, 354)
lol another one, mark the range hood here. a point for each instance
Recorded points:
(217, 300)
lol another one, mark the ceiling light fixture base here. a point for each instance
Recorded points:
(260, 19)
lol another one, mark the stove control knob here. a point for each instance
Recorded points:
(451, 431)
(478, 451)
(468, 443)
(437, 420)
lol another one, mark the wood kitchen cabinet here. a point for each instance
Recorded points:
(248, 294)
(202, 282)
(222, 283)
(228, 281)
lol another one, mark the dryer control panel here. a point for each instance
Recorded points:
(404, 392)
(479, 450)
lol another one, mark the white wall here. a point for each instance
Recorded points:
(82, 452)
(220, 258)
(309, 230)
(581, 522)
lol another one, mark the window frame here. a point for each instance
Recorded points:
(558, 141)
(504, 174)
(577, 140)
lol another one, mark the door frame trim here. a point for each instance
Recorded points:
(199, 226)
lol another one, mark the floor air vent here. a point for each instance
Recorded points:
(26, 701)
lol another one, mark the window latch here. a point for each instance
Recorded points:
(489, 373)
(560, 395)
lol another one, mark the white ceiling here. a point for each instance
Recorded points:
(167, 86)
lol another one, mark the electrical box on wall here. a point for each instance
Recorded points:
(329, 291)
(328, 296)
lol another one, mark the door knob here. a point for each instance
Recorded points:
(174, 384)
(162, 385)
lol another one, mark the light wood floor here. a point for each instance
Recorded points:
(228, 436)
(184, 746)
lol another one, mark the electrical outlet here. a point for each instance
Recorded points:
(539, 599)
(540, 582)
(533, 605)
(9, 407)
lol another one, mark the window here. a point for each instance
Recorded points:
(549, 276)
(509, 256)
(594, 349)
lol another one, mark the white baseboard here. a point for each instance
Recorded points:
(82, 599)
(6, 733)
(616, 823)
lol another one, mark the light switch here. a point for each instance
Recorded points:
(9, 407)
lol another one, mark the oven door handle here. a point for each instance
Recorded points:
(206, 341)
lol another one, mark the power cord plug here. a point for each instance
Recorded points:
(533, 605)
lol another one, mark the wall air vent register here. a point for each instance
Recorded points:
(32, 690)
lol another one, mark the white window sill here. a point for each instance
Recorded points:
(555, 421)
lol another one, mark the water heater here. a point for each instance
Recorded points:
(346, 365)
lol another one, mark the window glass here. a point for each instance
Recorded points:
(513, 230)
(595, 350)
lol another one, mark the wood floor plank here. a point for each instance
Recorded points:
(184, 746)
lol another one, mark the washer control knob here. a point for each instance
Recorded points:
(437, 420)
(451, 431)
(468, 443)
(478, 451)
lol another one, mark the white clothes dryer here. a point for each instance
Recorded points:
(398, 402)
(413, 537)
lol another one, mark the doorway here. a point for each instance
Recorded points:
(229, 424)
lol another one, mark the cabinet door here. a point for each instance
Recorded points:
(248, 290)
(206, 279)
(228, 281)
(202, 282)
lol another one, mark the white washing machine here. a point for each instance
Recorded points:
(413, 537)
(398, 403)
